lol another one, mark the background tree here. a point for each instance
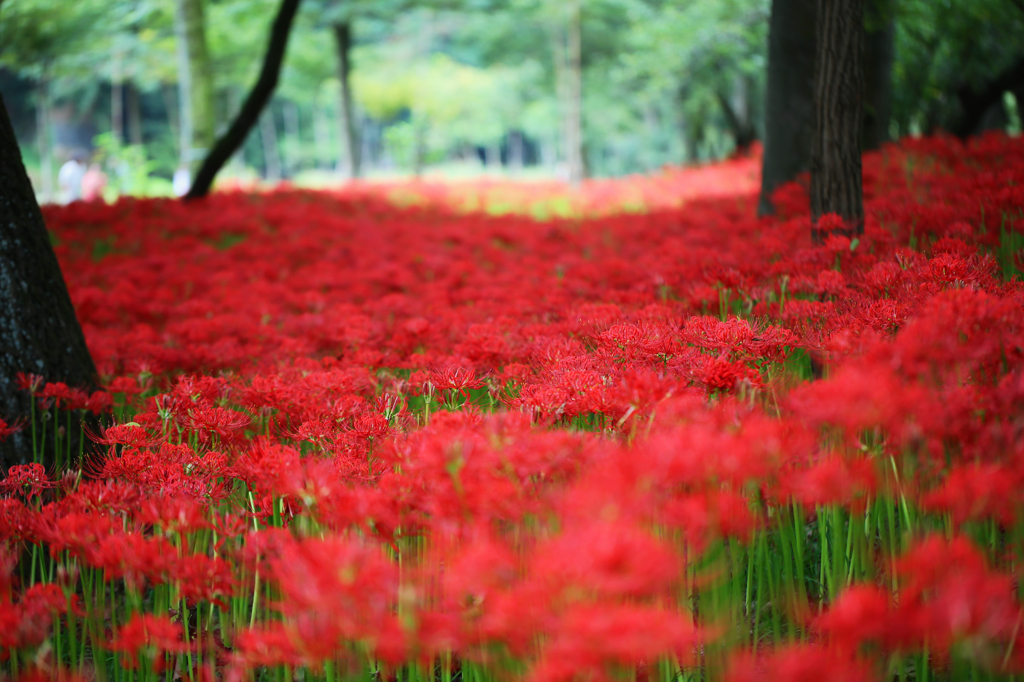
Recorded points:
(195, 81)
(254, 103)
(836, 183)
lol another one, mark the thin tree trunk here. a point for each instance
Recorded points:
(789, 100)
(343, 44)
(836, 182)
(516, 151)
(419, 148)
(258, 97)
(134, 111)
(293, 141)
(558, 51)
(195, 76)
(574, 78)
(173, 112)
(43, 139)
(39, 333)
(321, 136)
(117, 99)
(268, 133)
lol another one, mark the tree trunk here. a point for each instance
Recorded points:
(117, 100)
(742, 129)
(293, 138)
(195, 78)
(343, 44)
(836, 183)
(574, 92)
(321, 136)
(268, 133)
(561, 98)
(173, 116)
(39, 333)
(789, 100)
(43, 140)
(516, 151)
(879, 55)
(258, 97)
(134, 111)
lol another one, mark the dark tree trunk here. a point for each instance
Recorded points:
(836, 183)
(789, 100)
(258, 97)
(879, 55)
(39, 333)
(343, 44)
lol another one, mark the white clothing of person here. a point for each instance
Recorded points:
(69, 181)
(182, 182)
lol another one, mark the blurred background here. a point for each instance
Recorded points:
(384, 89)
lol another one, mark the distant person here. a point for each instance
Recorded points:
(182, 181)
(93, 183)
(69, 178)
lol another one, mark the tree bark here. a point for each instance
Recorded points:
(195, 78)
(879, 55)
(258, 97)
(43, 139)
(836, 182)
(349, 137)
(574, 93)
(39, 333)
(789, 100)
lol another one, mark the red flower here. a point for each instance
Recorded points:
(146, 634)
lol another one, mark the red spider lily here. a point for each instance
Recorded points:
(832, 480)
(613, 560)
(591, 639)
(28, 480)
(148, 635)
(455, 378)
(859, 616)
(950, 595)
(128, 385)
(221, 422)
(63, 396)
(7, 430)
(800, 663)
(130, 434)
(27, 623)
(202, 578)
(345, 589)
(29, 382)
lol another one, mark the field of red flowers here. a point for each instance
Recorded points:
(355, 441)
